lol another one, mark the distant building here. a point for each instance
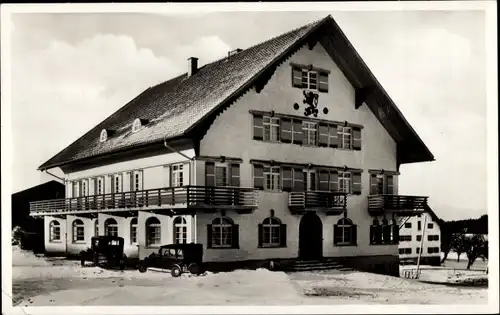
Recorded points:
(410, 236)
(21, 208)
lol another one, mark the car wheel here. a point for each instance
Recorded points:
(176, 271)
(143, 268)
(194, 269)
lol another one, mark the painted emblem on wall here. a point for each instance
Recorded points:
(311, 101)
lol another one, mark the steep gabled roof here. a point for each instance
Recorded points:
(433, 215)
(178, 106)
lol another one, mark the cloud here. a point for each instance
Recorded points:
(62, 91)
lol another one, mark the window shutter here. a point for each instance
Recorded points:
(236, 236)
(333, 136)
(378, 234)
(372, 234)
(127, 181)
(354, 234)
(373, 185)
(209, 235)
(323, 180)
(337, 234)
(209, 174)
(298, 179)
(258, 127)
(323, 82)
(334, 181)
(258, 176)
(283, 235)
(261, 235)
(356, 138)
(235, 175)
(76, 189)
(287, 178)
(390, 184)
(356, 183)
(286, 130)
(298, 135)
(297, 77)
(323, 135)
(386, 233)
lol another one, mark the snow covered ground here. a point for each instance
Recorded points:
(39, 281)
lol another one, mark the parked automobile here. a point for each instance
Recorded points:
(105, 251)
(179, 258)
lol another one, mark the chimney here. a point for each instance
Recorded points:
(192, 65)
(234, 52)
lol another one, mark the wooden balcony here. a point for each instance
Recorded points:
(187, 197)
(330, 202)
(398, 204)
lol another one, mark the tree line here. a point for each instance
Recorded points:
(465, 236)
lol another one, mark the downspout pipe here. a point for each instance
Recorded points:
(59, 178)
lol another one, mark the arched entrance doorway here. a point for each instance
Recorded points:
(310, 237)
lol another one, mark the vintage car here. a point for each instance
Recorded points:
(105, 251)
(179, 258)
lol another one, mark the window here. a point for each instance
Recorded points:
(96, 228)
(310, 133)
(221, 175)
(180, 230)
(344, 182)
(405, 238)
(381, 184)
(310, 78)
(433, 237)
(418, 250)
(78, 231)
(433, 250)
(419, 238)
(54, 231)
(133, 231)
(405, 251)
(110, 227)
(271, 177)
(153, 231)
(136, 125)
(117, 184)
(104, 135)
(430, 225)
(345, 138)
(272, 233)
(84, 188)
(419, 225)
(222, 233)
(271, 128)
(345, 233)
(177, 175)
(408, 225)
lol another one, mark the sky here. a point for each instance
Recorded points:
(71, 71)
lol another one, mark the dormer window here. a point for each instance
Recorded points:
(104, 135)
(136, 125)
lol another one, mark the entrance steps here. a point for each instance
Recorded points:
(311, 265)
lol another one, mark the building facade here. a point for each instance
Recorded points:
(421, 233)
(286, 150)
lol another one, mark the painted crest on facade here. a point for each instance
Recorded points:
(311, 102)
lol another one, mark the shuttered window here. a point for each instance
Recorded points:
(310, 79)
(223, 233)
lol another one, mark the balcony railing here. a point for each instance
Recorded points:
(330, 202)
(403, 205)
(173, 197)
